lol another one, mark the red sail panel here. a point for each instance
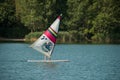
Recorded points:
(50, 36)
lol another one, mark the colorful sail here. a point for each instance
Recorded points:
(45, 44)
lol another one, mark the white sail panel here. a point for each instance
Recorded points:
(55, 25)
(43, 45)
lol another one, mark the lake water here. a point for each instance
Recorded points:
(87, 62)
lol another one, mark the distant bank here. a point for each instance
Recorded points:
(6, 39)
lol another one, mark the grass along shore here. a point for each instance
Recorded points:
(74, 37)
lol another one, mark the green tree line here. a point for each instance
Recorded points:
(88, 20)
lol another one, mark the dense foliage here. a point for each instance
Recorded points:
(93, 20)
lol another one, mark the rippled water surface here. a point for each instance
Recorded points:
(87, 62)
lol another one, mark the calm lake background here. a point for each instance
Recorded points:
(87, 62)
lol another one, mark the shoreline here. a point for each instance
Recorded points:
(6, 39)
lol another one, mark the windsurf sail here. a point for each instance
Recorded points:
(46, 43)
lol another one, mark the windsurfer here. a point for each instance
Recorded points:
(47, 46)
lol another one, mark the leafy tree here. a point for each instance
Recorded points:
(10, 27)
(104, 22)
(6, 16)
(35, 14)
(26, 12)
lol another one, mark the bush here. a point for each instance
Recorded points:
(63, 37)
(33, 36)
